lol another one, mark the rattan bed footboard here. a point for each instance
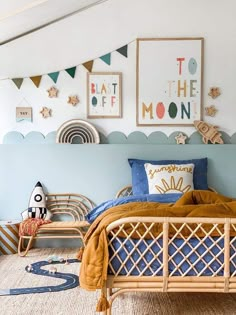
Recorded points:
(171, 255)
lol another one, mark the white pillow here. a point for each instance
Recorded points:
(170, 178)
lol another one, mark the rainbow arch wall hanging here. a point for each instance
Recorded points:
(76, 130)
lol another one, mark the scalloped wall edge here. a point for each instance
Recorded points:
(115, 137)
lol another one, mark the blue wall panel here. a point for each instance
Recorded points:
(97, 171)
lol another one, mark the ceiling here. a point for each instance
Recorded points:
(19, 17)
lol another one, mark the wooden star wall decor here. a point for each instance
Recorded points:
(46, 112)
(214, 92)
(180, 139)
(73, 100)
(210, 110)
(52, 92)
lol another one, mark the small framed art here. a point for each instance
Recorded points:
(104, 95)
(23, 113)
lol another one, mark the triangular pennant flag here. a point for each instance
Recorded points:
(106, 58)
(88, 65)
(54, 76)
(36, 80)
(18, 82)
(71, 71)
(123, 51)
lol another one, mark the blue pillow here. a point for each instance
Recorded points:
(139, 177)
(166, 198)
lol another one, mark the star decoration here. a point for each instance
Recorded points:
(214, 92)
(52, 92)
(46, 112)
(180, 139)
(211, 111)
(73, 100)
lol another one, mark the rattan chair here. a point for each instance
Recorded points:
(68, 220)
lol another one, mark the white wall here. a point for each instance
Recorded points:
(103, 29)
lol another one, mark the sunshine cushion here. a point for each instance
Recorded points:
(139, 177)
(170, 178)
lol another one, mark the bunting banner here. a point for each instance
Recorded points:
(54, 76)
(71, 71)
(36, 80)
(123, 51)
(106, 58)
(88, 65)
(18, 82)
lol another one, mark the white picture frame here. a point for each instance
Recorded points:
(104, 95)
(169, 81)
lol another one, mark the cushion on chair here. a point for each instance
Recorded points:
(65, 224)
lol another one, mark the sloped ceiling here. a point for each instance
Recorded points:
(19, 17)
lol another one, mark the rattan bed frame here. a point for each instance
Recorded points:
(221, 280)
(68, 220)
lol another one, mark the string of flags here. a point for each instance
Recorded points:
(71, 71)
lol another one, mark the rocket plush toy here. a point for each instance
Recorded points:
(37, 205)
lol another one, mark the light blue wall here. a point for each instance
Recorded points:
(96, 171)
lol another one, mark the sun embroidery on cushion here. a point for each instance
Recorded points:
(172, 187)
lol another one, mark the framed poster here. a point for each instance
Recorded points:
(104, 95)
(169, 81)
